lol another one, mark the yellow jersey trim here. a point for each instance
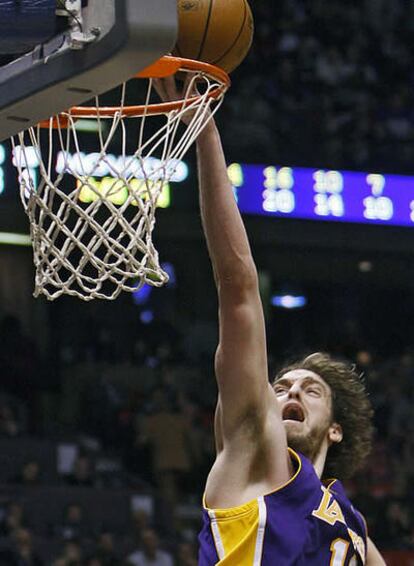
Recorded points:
(245, 508)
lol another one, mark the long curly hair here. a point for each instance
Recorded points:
(351, 409)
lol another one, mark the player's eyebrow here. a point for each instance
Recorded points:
(286, 382)
(282, 381)
(311, 380)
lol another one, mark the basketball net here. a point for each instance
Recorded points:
(94, 239)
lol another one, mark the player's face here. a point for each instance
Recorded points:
(305, 402)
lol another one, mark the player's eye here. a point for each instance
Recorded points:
(315, 392)
(280, 390)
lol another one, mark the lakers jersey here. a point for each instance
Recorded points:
(302, 523)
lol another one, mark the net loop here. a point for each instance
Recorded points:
(92, 216)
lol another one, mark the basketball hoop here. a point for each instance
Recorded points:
(92, 237)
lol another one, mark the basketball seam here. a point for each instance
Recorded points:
(216, 61)
(210, 11)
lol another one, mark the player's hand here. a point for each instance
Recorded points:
(170, 90)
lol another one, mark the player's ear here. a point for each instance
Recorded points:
(335, 433)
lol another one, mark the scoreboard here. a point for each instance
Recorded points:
(320, 194)
(267, 190)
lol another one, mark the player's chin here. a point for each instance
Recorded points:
(298, 441)
(295, 430)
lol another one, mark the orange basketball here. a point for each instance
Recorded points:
(215, 31)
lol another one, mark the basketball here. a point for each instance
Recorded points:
(215, 31)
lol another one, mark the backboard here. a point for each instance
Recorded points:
(103, 44)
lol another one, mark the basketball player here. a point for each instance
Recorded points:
(266, 502)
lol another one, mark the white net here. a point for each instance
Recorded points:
(92, 219)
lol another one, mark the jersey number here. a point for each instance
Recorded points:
(339, 550)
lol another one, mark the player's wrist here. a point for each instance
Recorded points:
(209, 131)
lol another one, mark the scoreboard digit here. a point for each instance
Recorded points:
(329, 195)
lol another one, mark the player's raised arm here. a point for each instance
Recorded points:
(241, 362)
(250, 436)
(246, 400)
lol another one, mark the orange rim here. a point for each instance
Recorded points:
(164, 67)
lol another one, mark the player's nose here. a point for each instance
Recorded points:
(294, 391)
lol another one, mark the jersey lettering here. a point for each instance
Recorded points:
(339, 549)
(358, 543)
(329, 510)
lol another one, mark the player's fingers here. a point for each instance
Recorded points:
(171, 88)
(160, 89)
(190, 86)
(167, 88)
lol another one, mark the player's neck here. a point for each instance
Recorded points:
(320, 459)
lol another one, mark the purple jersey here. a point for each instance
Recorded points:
(304, 522)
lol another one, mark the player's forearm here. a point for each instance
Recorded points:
(225, 233)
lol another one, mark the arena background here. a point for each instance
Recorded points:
(93, 396)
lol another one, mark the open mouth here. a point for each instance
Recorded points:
(293, 412)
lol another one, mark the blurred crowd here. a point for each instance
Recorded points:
(118, 425)
(327, 84)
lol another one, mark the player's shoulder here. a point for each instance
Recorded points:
(336, 488)
(348, 512)
(302, 491)
(305, 492)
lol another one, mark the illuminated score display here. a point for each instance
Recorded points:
(93, 174)
(272, 191)
(319, 194)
